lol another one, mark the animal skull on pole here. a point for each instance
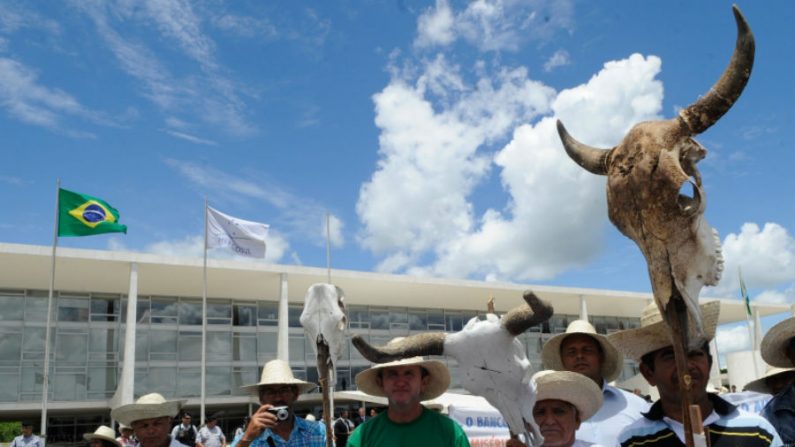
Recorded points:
(492, 362)
(645, 176)
(325, 323)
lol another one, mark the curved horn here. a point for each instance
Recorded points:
(703, 113)
(429, 343)
(519, 319)
(590, 158)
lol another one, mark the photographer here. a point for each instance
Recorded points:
(274, 423)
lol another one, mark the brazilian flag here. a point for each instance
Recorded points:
(83, 215)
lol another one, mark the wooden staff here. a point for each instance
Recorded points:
(323, 372)
(678, 323)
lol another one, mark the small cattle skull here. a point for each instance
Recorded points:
(646, 173)
(325, 321)
(492, 362)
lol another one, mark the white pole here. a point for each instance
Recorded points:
(328, 245)
(583, 308)
(282, 331)
(204, 319)
(46, 375)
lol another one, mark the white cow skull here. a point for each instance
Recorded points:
(492, 361)
(325, 321)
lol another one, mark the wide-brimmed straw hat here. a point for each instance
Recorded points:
(103, 433)
(775, 342)
(146, 407)
(570, 387)
(278, 372)
(438, 381)
(760, 385)
(654, 333)
(613, 362)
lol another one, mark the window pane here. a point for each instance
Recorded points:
(72, 309)
(245, 315)
(189, 384)
(104, 308)
(219, 312)
(71, 347)
(219, 347)
(69, 386)
(268, 313)
(294, 313)
(190, 312)
(219, 381)
(418, 321)
(141, 346)
(163, 381)
(190, 346)
(36, 306)
(266, 345)
(359, 317)
(163, 341)
(11, 307)
(9, 387)
(164, 310)
(245, 347)
(142, 310)
(297, 349)
(102, 378)
(34, 339)
(379, 319)
(242, 377)
(10, 346)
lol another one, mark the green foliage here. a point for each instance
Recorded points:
(9, 431)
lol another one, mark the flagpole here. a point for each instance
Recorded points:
(46, 375)
(204, 317)
(328, 245)
(747, 302)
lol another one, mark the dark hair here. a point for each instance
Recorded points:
(648, 358)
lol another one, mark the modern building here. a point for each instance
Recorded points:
(94, 290)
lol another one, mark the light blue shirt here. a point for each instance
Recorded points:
(305, 434)
(619, 409)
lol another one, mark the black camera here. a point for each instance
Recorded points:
(281, 413)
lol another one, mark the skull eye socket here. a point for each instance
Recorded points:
(689, 198)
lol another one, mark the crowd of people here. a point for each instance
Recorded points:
(575, 404)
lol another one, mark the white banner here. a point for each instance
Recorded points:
(242, 236)
(484, 426)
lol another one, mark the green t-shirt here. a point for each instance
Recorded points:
(430, 429)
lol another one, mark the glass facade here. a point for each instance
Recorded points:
(88, 331)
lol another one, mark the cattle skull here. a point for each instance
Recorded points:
(645, 176)
(491, 360)
(325, 323)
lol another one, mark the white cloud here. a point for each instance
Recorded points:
(766, 255)
(731, 339)
(435, 26)
(191, 138)
(559, 59)
(493, 25)
(418, 204)
(244, 26)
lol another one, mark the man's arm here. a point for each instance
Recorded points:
(197, 436)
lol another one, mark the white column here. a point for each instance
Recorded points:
(283, 340)
(126, 387)
(583, 308)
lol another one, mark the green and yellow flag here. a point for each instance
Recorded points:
(83, 215)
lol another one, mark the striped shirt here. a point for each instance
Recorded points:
(727, 426)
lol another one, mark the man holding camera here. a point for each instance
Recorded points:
(274, 423)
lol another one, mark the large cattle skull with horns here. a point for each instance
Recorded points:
(646, 174)
(492, 362)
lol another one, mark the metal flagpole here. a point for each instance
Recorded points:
(204, 318)
(46, 375)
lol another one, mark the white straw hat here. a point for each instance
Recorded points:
(760, 385)
(775, 342)
(104, 433)
(146, 407)
(570, 387)
(278, 372)
(613, 362)
(654, 333)
(438, 382)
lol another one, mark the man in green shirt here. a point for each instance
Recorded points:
(405, 383)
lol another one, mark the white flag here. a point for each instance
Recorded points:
(242, 236)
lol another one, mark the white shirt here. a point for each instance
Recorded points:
(30, 441)
(619, 409)
(211, 437)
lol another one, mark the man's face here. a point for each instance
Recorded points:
(664, 374)
(402, 385)
(557, 421)
(186, 420)
(361, 412)
(582, 354)
(211, 423)
(27, 430)
(152, 432)
(278, 395)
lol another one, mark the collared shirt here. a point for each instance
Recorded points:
(174, 443)
(727, 426)
(619, 409)
(305, 434)
(29, 441)
(780, 411)
(126, 442)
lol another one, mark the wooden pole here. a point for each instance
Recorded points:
(676, 313)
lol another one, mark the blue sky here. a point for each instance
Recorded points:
(424, 128)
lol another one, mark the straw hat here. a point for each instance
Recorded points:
(775, 341)
(613, 362)
(103, 433)
(760, 385)
(278, 372)
(438, 382)
(654, 334)
(570, 387)
(146, 407)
